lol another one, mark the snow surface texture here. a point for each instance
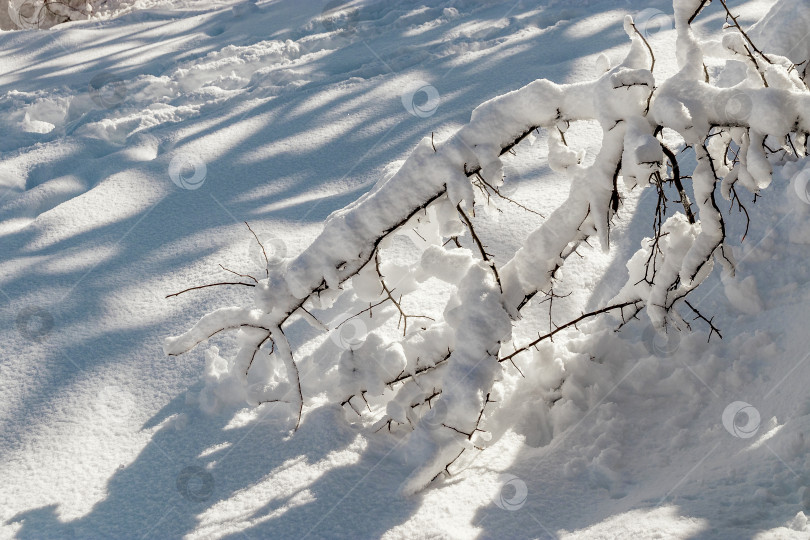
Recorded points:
(134, 147)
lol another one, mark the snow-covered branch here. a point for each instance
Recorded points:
(436, 379)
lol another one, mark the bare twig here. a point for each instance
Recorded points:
(676, 179)
(698, 10)
(736, 198)
(743, 32)
(579, 319)
(211, 285)
(266, 260)
(484, 255)
(238, 274)
(652, 55)
(712, 327)
(403, 317)
(258, 348)
(488, 186)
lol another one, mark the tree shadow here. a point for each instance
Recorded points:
(151, 498)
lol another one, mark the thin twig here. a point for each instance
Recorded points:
(477, 240)
(713, 328)
(497, 192)
(676, 179)
(743, 32)
(266, 260)
(211, 285)
(403, 317)
(238, 274)
(567, 325)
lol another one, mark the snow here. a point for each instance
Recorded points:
(133, 148)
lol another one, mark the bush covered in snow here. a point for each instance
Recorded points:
(436, 381)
